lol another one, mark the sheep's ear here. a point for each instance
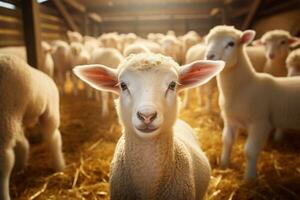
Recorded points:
(247, 37)
(198, 73)
(98, 76)
(293, 40)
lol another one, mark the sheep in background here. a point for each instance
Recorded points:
(74, 36)
(36, 102)
(78, 56)
(172, 47)
(47, 65)
(158, 156)
(293, 63)
(135, 49)
(109, 57)
(110, 40)
(277, 44)
(240, 86)
(61, 57)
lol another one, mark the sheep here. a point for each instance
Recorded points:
(109, 57)
(134, 49)
(240, 86)
(74, 36)
(61, 57)
(293, 63)
(157, 156)
(36, 102)
(172, 47)
(47, 65)
(109, 40)
(78, 56)
(277, 44)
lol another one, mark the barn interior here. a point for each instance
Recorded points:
(89, 138)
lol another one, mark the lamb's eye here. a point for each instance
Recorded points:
(283, 42)
(230, 44)
(172, 86)
(123, 86)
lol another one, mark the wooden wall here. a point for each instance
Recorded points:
(11, 27)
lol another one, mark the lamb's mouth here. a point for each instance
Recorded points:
(147, 129)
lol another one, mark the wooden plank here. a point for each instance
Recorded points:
(76, 5)
(9, 12)
(251, 14)
(62, 9)
(31, 24)
(239, 12)
(280, 7)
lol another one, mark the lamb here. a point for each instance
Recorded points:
(61, 58)
(78, 56)
(157, 156)
(109, 57)
(36, 102)
(172, 47)
(277, 44)
(47, 65)
(240, 86)
(293, 63)
(74, 36)
(135, 49)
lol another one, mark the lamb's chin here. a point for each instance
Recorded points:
(147, 132)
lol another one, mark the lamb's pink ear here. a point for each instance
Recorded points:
(293, 40)
(98, 76)
(247, 37)
(198, 73)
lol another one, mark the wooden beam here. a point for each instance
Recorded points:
(280, 7)
(76, 5)
(251, 14)
(131, 7)
(32, 30)
(62, 9)
(95, 17)
(239, 12)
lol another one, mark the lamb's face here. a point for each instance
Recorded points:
(148, 101)
(226, 43)
(277, 48)
(224, 48)
(148, 85)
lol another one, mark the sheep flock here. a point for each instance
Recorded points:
(162, 117)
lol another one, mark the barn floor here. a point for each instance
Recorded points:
(89, 141)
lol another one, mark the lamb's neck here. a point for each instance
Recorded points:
(235, 78)
(149, 160)
(277, 67)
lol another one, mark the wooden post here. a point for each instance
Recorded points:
(62, 9)
(85, 24)
(251, 14)
(32, 32)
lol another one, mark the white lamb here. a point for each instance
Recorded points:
(256, 102)
(158, 156)
(135, 49)
(78, 56)
(277, 44)
(47, 65)
(36, 102)
(74, 36)
(293, 63)
(61, 57)
(172, 47)
(109, 57)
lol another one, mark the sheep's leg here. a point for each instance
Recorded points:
(74, 84)
(228, 137)
(89, 91)
(7, 159)
(199, 95)
(52, 139)
(185, 98)
(21, 153)
(209, 92)
(61, 81)
(278, 135)
(257, 137)
(105, 98)
(97, 95)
